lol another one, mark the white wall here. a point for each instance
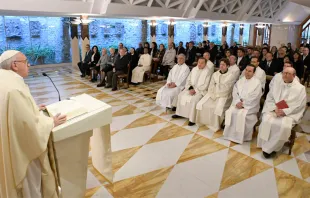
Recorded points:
(283, 34)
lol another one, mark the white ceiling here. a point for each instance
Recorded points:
(267, 11)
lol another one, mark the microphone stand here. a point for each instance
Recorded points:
(44, 74)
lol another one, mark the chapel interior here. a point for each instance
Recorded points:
(149, 151)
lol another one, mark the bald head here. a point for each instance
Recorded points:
(288, 74)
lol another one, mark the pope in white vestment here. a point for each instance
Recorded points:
(195, 88)
(241, 117)
(175, 83)
(211, 108)
(144, 65)
(25, 168)
(277, 123)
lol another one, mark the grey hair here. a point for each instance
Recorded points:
(182, 55)
(6, 64)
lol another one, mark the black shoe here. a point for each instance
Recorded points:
(114, 89)
(267, 155)
(101, 85)
(176, 116)
(173, 109)
(191, 124)
(93, 80)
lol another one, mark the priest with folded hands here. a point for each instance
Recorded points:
(211, 108)
(196, 87)
(175, 84)
(241, 117)
(25, 168)
(283, 108)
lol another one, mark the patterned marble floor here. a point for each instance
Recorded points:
(157, 156)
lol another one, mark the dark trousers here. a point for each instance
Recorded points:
(112, 78)
(164, 70)
(84, 68)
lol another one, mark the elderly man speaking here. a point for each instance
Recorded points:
(24, 135)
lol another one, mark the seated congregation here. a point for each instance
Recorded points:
(229, 89)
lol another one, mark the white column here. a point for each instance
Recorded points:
(251, 35)
(75, 51)
(153, 31)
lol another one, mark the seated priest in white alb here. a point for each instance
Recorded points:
(283, 108)
(241, 117)
(144, 65)
(175, 84)
(25, 169)
(233, 67)
(278, 77)
(259, 73)
(196, 87)
(210, 65)
(211, 108)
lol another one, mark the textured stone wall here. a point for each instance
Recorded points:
(37, 37)
(110, 32)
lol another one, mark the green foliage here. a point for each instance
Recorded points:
(38, 53)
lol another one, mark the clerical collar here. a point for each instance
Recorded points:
(223, 72)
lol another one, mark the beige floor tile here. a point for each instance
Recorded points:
(240, 167)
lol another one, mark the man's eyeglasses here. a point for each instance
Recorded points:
(22, 61)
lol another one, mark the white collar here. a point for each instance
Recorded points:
(16, 75)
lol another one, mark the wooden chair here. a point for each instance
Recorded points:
(122, 77)
(148, 74)
(291, 140)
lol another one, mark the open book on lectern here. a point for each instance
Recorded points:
(74, 106)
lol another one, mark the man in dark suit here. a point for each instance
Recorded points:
(86, 63)
(270, 66)
(180, 49)
(249, 53)
(190, 54)
(213, 52)
(242, 61)
(140, 49)
(306, 62)
(234, 49)
(120, 67)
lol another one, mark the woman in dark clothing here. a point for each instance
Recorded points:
(133, 60)
(147, 45)
(298, 65)
(94, 60)
(159, 58)
(153, 49)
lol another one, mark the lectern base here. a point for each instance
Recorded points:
(101, 151)
(72, 158)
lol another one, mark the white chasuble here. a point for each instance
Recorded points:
(138, 72)
(178, 74)
(274, 131)
(211, 108)
(199, 80)
(24, 136)
(234, 69)
(239, 123)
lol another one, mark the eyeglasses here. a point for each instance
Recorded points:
(22, 61)
(287, 73)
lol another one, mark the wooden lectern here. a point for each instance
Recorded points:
(71, 143)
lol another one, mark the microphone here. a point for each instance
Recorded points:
(44, 74)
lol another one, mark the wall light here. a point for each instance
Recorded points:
(260, 25)
(241, 26)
